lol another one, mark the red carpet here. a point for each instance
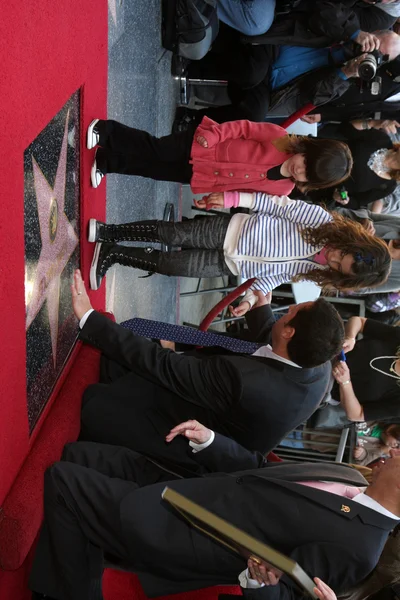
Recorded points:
(49, 50)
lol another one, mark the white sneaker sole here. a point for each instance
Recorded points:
(93, 267)
(90, 136)
(92, 230)
(95, 175)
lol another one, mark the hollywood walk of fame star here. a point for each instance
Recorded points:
(58, 238)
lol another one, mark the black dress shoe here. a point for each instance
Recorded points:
(38, 596)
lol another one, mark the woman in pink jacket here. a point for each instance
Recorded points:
(221, 157)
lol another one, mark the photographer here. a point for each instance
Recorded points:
(355, 105)
(297, 76)
(310, 23)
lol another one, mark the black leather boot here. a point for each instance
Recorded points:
(107, 255)
(139, 231)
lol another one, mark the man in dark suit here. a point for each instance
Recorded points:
(95, 505)
(254, 399)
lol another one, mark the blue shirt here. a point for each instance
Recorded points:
(296, 60)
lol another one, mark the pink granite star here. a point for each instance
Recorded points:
(59, 240)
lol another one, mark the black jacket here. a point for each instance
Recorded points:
(329, 536)
(254, 400)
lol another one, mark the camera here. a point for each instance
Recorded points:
(367, 72)
(370, 64)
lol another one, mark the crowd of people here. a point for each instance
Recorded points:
(204, 421)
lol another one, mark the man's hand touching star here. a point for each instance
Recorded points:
(80, 299)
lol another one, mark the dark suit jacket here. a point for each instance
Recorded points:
(310, 525)
(254, 400)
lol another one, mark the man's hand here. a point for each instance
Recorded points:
(350, 69)
(368, 225)
(368, 41)
(202, 141)
(240, 310)
(215, 200)
(311, 119)
(80, 299)
(192, 430)
(389, 126)
(323, 591)
(263, 572)
(348, 344)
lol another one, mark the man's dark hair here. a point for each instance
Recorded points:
(319, 334)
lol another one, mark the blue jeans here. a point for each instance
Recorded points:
(251, 17)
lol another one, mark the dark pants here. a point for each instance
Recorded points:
(252, 104)
(202, 240)
(246, 69)
(82, 523)
(241, 64)
(132, 151)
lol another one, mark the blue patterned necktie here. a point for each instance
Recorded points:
(187, 335)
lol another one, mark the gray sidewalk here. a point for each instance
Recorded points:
(143, 94)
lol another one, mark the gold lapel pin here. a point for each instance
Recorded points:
(345, 508)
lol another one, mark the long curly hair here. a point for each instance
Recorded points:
(328, 162)
(351, 238)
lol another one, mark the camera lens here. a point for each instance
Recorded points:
(367, 68)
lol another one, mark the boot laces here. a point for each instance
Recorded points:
(128, 261)
(109, 233)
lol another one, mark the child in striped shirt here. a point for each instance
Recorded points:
(281, 240)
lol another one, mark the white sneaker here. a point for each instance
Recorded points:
(95, 175)
(93, 279)
(92, 235)
(93, 136)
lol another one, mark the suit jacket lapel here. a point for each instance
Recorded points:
(345, 507)
(289, 474)
(292, 471)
